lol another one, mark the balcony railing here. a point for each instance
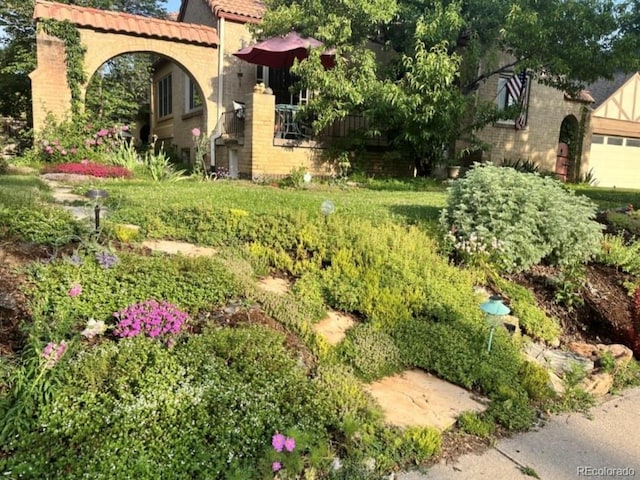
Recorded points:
(232, 124)
(287, 126)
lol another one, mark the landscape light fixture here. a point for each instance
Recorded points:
(97, 195)
(494, 310)
(327, 208)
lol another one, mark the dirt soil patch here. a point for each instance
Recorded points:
(607, 314)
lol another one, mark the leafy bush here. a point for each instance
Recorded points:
(617, 253)
(520, 219)
(89, 168)
(371, 353)
(76, 140)
(40, 224)
(535, 380)
(205, 409)
(621, 223)
(533, 320)
(511, 409)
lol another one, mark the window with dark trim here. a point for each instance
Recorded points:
(194, 100)
(165, 97)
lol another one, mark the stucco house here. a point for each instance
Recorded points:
(615, 131)
(200, 83)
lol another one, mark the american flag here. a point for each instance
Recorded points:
(516, 89)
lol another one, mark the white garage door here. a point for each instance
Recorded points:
(615, 161)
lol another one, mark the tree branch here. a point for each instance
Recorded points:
(470, 87)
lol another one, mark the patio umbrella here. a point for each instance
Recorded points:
(280, 52)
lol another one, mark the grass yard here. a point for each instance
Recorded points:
(124, 364)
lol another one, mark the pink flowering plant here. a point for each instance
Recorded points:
(151, 318)
(52, 353)
(201, 144)
(73, 141)
(284, 458)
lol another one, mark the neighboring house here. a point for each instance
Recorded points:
(550, 125)
(615, 131)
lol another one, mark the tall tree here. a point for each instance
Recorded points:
(18, 50)
(435, 54)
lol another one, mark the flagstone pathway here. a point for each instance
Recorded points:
(179, 248)
(417, 398)
(333, 328)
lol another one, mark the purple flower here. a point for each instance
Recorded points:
(75, 290)
(103, 132)
(75, 259)
(289, 444)
(106, 259)
(277, 442)
(275, 466)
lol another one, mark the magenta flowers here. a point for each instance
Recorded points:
(277, 442)
(151, 317)
(281, 443)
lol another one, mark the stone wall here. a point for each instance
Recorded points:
(538, 141)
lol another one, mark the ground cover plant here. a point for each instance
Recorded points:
(155, 366)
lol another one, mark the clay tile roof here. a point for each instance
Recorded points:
(118, 22)
(581, 96)
(242, 10)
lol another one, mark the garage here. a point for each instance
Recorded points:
(615, 161)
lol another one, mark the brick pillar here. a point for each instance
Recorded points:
(49, 88)
(259, 125)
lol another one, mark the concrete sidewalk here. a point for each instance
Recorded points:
(569, 446)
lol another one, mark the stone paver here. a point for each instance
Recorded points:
(64, 195)
(174, 248)
(274, 285)
(417, 398)
(334, 326)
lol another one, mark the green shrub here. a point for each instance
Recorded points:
(534, 321)
(517, 220)
(535, 380)
(4, 166)
(371, 353)
(624, 222)
(206, 409)
(617, 253)
(476, 424)
(457, 351)
(193, 284)
(419, 444)
(511, 409)
(40, 224)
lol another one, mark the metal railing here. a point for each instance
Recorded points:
(350, 125)
(232, 123)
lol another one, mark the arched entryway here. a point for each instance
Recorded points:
(106, 35)
(569, 149)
